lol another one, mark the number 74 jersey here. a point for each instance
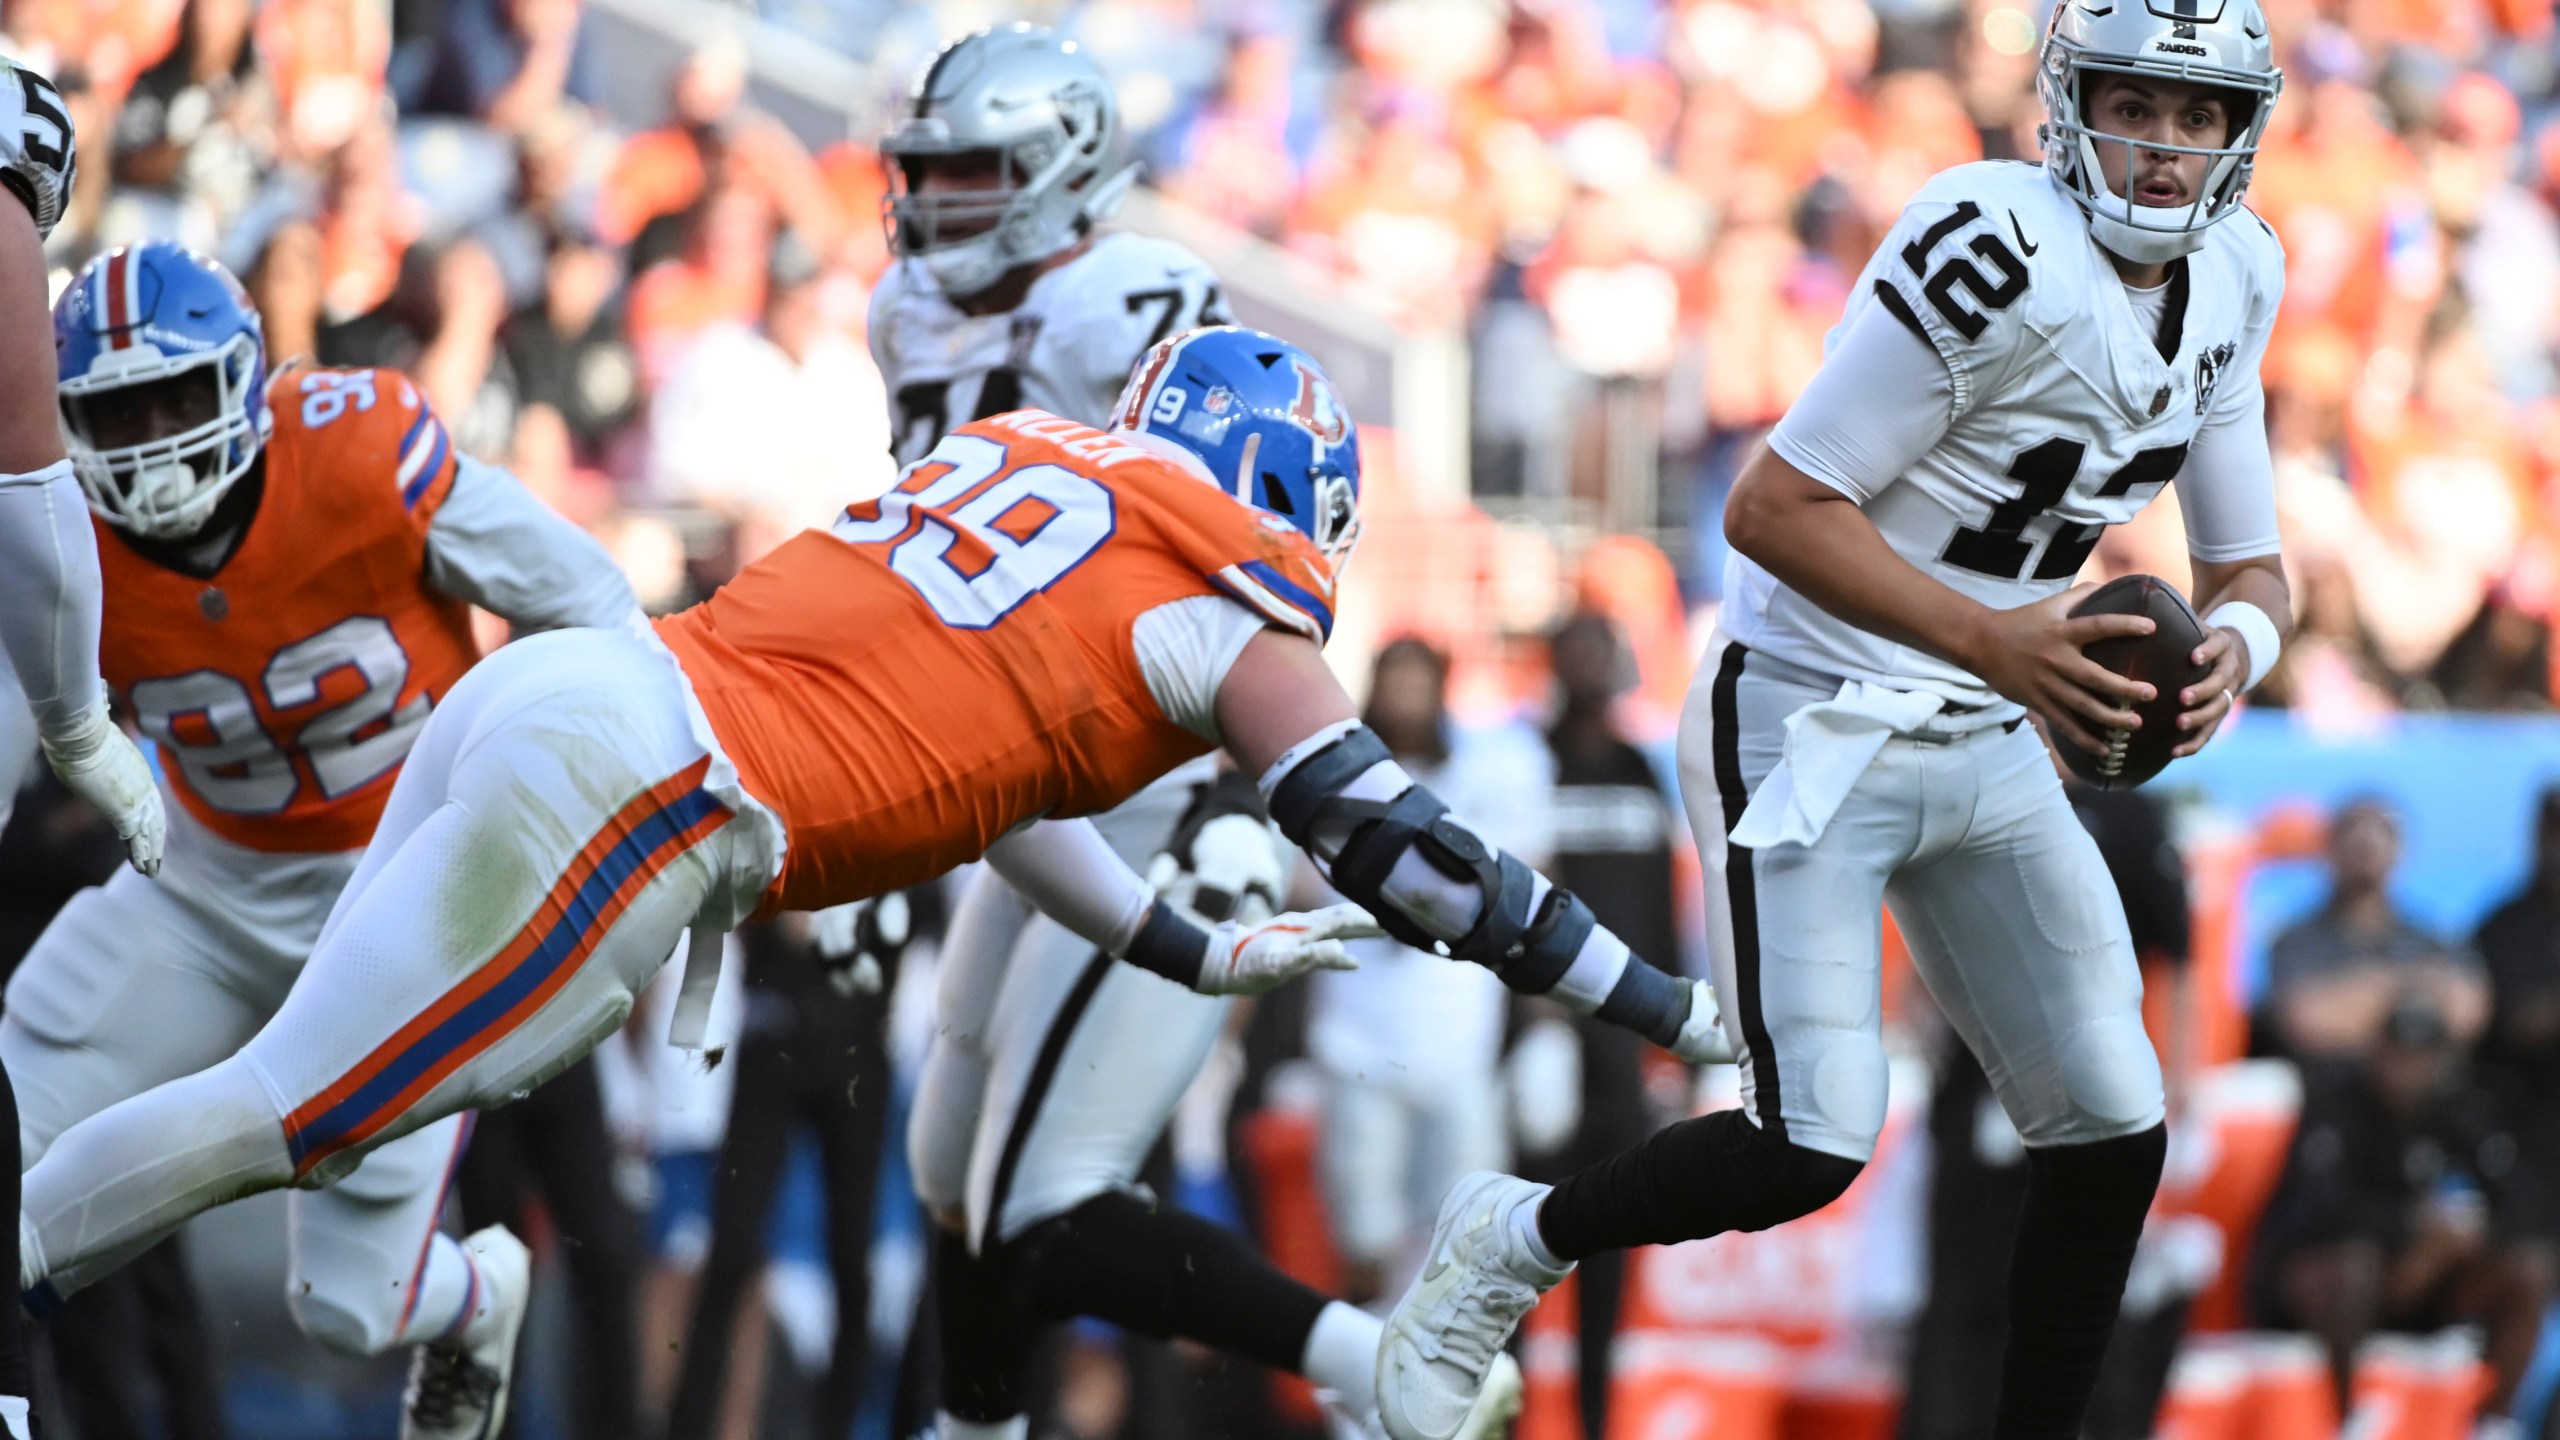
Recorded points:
(2072, 405)
(285, 689)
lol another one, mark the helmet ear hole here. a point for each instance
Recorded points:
(1276, 495)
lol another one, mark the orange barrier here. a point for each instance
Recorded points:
(2417, 1388)
(1279, 1145)
(1697, 1387)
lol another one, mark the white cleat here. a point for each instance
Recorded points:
(1442, 1373)
(458, 1390)
(1497, 1405)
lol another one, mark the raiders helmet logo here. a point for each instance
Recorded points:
(2210, 364)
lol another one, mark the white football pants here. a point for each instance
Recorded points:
(2013, 923)
(1054, 1068)
(557, 827)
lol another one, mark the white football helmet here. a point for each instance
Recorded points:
(1029, 103)
(2219, 43)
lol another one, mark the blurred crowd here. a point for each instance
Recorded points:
(1644, 215)
(647, 294)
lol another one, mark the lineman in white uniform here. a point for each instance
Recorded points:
(49, 604)
(2031, 355)
(1053, 1069)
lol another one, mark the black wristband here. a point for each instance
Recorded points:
(1649, 1002)
(1170, 945)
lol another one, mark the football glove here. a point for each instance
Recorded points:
(103, 767)
(857, 943)
(1702, 1039)
(1243, 959)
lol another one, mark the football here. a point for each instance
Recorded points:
(2160, 659)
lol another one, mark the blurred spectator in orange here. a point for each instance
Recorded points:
(719, 276)
(325, 59)
(714, 140)
(2335, 977)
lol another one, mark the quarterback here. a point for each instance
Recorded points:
(2031, 355)
(288, 566)
(1054, 1070)
(1039, 620)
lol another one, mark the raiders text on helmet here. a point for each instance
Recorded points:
(2217, 43)
(1035, 111)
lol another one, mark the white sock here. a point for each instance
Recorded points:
(1524, 1228)
(955, 1428)
(14, 1415)
(1342, 1355)
(452, 1295)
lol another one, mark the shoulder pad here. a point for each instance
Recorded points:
(39, 157)
(1961, 256)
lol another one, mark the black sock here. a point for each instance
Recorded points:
(985, 1331)
(2085, 1205)
(1698, 1178)
(15, 1377)
(1165, 1273)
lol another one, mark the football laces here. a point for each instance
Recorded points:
(2111, 764)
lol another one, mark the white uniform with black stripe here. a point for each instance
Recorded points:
(1067, 348)
(1993, 399)
(1053, 1069)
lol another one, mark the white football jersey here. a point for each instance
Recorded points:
(1067, 348)
(2070, 409)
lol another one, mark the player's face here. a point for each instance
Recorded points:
(156, 410)
(2139, 108)
(972, 172)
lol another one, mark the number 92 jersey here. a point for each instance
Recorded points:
(38, 157)
(2071, 406)
(285, 690)
(1067, 348)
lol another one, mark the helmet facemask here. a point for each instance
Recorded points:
(1026, 113)
(157, 440)
(2067, 79)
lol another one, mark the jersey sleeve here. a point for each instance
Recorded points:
(2226, 489)
(39, 157)
(1949, 273)
(493, 544)
(1883, 396)
(51, 596)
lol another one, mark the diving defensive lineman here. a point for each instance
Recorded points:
(289, 563)
(1053, 1070)
(2028, 358)
(1041, 618)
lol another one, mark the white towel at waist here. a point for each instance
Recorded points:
(1830, 743)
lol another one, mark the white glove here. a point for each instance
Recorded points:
(101, 766)
(851, 941)
(1246, 959)
(1702, 1041)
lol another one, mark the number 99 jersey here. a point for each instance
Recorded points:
(285, 689)
(38, 157)
(2073, 404)
(1067, 348)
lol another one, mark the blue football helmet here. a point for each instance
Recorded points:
(1262, 420)
(162, 366)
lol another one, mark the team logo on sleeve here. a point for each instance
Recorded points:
(2210, 364)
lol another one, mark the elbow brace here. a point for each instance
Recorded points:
(1388, 843)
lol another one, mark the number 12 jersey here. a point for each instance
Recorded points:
(2066, 403)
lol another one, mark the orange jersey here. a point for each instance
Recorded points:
(960, 656)
(285, 690)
